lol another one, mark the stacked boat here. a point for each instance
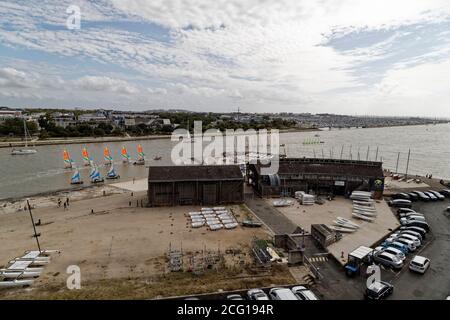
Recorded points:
(363, 206)
(214, 218)
(23, 270)
(304, 198)
(282, 203)
(344, 225)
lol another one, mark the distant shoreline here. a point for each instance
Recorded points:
(73, 140)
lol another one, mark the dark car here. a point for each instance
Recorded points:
(413, 196)
(405, 210)
(403, 196)
(400, 203)
(379, 290)
(420, 230)
(445, 193)
(420, 224)
(422, 196)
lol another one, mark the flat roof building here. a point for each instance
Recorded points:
(195, 185)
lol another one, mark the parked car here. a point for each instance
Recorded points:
(405, 221)
(431, 195)
(445, 192)
(412, 233)
(420, 224)
(397, 245)
(413, 196)
(379, 290)
(420, 230)
(448, 209)
(405, 210)
(408, 243)
(282, 294)
(419, 264)
(388, 260)
(422, 196)
(410, 214)
(400, 203)
(401, 196)
(437, 195)
(396, 252)
(414, 239)
(234, 297)
(303, 293)
(257, 294)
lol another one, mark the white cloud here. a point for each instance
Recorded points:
(96, 83)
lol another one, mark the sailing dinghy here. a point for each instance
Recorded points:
(76, 178)
(107, 156)
(25, 149)
(112, 174)
(125, 156)
(141, 156)
(68, 162)
(86, 159)
(95, 175)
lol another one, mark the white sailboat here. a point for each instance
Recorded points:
(25, 149)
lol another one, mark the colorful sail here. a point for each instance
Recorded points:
(107, 155)
(86, 158)
(76, 177)
(125, 156)
(140, 153)
(67, 161)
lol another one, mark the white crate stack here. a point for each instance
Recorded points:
(214, 218)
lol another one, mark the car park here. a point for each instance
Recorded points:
(388, 260)
(282, 294)
(234, 297)
(405, 210)
(400, 203)
(257, 294)
(403, 196)
(420, 224)
(419, 264)
(303, 293)
(437, 195)
(419, 230)
(431, 195)
(397, 245)
(379, 290)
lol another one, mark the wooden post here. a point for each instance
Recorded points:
(396, 167)
(376, 155)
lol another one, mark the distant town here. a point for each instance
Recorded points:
(57, 123)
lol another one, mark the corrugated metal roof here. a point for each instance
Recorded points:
(361, 252)
(194, 173)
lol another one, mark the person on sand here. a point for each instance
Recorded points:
(65, 206)
(67, 201)
(59, 202)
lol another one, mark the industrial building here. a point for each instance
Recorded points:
(195, 185)
(320, 176)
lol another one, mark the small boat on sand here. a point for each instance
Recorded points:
(76, 178)
(112, 174)
(282, 203)
(363, 208)
(16, 283)
(365, 213)
(342, 229)
(344, 225)
(347, 221)
(157, 158)
(95, 175)
(362, 217)
(251, 224)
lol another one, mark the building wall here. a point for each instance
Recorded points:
(195, 193)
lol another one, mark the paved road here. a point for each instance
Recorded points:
(273, 218)
(435, 283)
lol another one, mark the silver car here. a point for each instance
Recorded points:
(304, 294)
(257, 294)
(416, 240)
(388, 260)
(396, 252)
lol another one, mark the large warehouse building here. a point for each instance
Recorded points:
(322, 176)
(195, 185)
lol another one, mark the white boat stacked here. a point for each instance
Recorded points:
(342, 229)
(347, 221)
(362, 217)
(282, 203)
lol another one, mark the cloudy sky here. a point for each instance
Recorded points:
(384, 57)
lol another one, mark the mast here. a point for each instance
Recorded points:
(25, 132)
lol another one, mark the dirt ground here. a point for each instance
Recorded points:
(121, 248)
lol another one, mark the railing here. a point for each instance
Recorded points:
(313, 268)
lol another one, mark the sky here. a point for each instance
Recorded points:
(356, 57)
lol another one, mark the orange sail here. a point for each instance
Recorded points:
(107, 155)
(125, 155)
(67, 161)
(86, 158)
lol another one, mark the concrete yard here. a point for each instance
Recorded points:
(368, 234)
(139, 185)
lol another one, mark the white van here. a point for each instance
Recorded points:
(282, 294)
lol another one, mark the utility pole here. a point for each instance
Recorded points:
(342, 151)
(376, 155)
(34, 226)
(407, 164)
(396, 167)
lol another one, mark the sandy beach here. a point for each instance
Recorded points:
(121, 247)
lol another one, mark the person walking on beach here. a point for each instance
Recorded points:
(59, 202)
(67, 201)
(65, 206)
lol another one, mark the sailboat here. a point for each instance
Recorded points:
(125, 156)
(112, 174)
(86, 159)
(141, 157)
(24, 150)
(76, 179)
(95, 175)
(68, 162)
(107, 156)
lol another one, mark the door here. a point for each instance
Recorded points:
(210, 194)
